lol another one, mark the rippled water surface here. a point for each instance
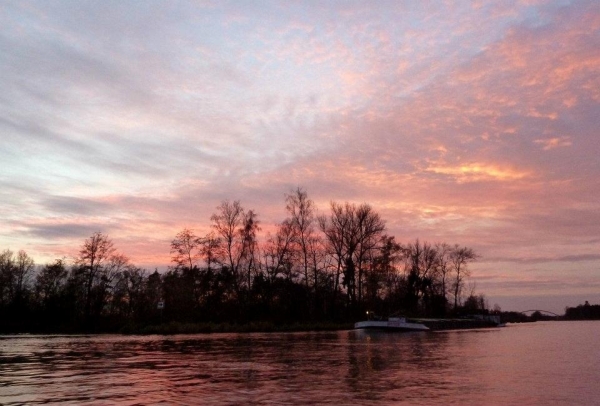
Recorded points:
(537, 363)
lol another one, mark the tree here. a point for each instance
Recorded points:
(278, 253)
(443, 265)
(15, 276)
(209, 250)
(23, 271)
(130, 289)
(302, 219)
(50, 281)
(113, 275)
(237, 232)
(185, 249)
(369, 229)
(352, 232)
(460, 258)
(475, 304)
(413, 255)
(7, 267)
(381, 280)
(333, 227)
(56, 305)
(249, 250)
(94, 254)
(226, 223)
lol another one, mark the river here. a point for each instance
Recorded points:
(540, 363)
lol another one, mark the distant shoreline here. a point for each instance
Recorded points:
(176, 328)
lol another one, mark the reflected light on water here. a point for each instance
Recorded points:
(540, 363)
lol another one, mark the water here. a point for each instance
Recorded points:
(529, 364)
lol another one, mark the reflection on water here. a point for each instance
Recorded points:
(553, 362)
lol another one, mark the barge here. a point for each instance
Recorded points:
(423, 324)
(393, 324)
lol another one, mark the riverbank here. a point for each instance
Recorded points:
(457, 324)
(252, 327)
(173, 327)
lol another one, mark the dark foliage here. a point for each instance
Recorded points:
(583, 312)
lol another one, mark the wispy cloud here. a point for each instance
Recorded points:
(556, 142)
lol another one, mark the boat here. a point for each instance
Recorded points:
(391, 324)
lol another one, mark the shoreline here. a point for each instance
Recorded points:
(174, 328)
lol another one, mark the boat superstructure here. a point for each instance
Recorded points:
(392, 323)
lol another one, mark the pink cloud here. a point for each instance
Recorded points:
(468, 123)
(556, 142)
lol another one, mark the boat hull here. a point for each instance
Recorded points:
(392, 325)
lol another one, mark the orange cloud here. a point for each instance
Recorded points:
(477, 171)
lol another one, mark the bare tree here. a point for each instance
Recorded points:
(413, 260)
(249, 250)
(94, 254)
(369, 228)
(23, 271)
(113, 274)
(460, 258)
(237, 230)
(278, 252)
(333, 227)
(209, 250)
(422, 269)
(317, 259)
(301, 211)
(185, 249)
(443, 265)
(7, 267)
(226, 223)
(351, 233)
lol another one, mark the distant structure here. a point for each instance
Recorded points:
(541, 311)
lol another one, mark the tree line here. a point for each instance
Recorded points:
(585, 311)
(311, 267)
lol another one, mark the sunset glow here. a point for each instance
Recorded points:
(473, 123)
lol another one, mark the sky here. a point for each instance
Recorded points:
(467, 122)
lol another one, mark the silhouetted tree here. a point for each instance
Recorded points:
(227, 223)
(7, 277)
(50, 281)
(369, 228)
(585, 311)
(249, 250)
(443, 266)
(302, 219)
(460, 257)
(23, 272)
(94, 255)
(15, 287)
(209, 251)
(185, 249)
(351, 232)
(382, 278)
(334, 228)
(475, 304)
(278, 252)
